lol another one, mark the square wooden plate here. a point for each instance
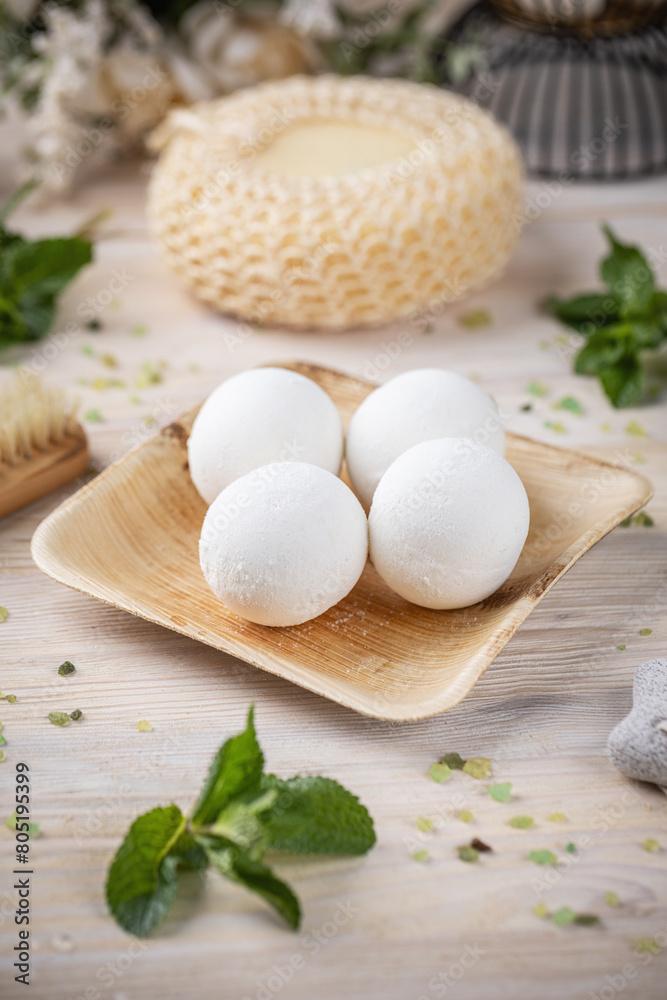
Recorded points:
(130, 538)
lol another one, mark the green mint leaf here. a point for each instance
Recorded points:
(189, 853)
(629, 276)
(142, 882)
(241, 822)
(624, 381)
(600, 351)
(233, 864)
(314, 815)
(646, 334)
(235, 770)
(658, 310)
(32, 275)
(583, 310)
(12, 203)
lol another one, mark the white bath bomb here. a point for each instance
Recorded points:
(260, 416)
(417, 406)
(284, 543)
(448, 522)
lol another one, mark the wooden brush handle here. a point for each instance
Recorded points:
(44, 472)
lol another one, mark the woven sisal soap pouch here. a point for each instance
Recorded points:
(271, 204)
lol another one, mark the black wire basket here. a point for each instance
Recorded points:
(585, 97)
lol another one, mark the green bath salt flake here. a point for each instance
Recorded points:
(501, 792)
(467, 853)
(76, 714)
(466, 816)
(647, 946)
(522, 822)
(537, 389)
(475, 319)
(478, 767)
(66, 668)
(646, 631)
(564, 916)
(424, 824)
(570, 404)
(421, 855)
(454, 761)
(440, 773)
(543, 857)
(611, 898)
(58, 718)
(587, 920)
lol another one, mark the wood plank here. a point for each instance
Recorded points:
(542, 712)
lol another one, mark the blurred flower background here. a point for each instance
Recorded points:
(91, 78)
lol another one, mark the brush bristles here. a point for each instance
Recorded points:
(32, 416)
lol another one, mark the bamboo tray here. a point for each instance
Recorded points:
(130, 538)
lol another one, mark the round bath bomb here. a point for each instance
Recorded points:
(448, 522)
(284, 543)
(260, 416)
(417, 406)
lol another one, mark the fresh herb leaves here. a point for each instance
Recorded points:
(240, 813)
(32, 275)
(619, 324)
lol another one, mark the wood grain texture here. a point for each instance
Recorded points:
(45, 472)
(131, 538)
(542, 711)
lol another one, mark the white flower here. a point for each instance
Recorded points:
(313, 18)
(234, 49)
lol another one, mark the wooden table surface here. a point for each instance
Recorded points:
(385, 926)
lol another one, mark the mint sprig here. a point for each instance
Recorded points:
(33, 273)
(618, 324)
(239, 815)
